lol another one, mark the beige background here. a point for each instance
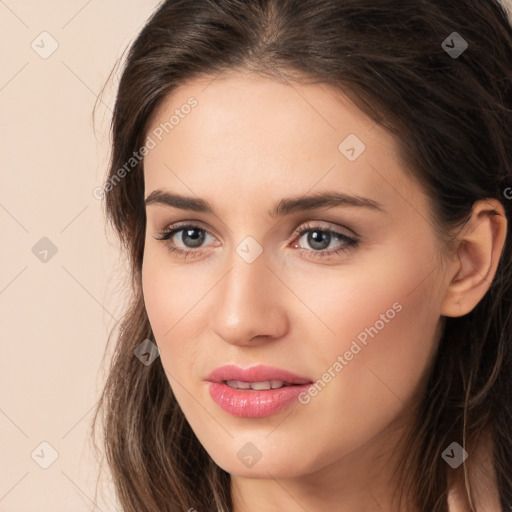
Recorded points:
(56, 313)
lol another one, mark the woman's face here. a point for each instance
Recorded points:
(360, 319)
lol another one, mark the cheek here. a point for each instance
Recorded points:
(169, 290)
(382, 322)
(387, 297)
(388, 329)
(393, 313)
(173, 300)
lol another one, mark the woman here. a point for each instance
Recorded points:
(314, 198)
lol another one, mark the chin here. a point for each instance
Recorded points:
(272, 466)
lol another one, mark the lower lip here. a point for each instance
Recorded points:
(251, 403)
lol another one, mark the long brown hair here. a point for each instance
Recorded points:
(452, 118)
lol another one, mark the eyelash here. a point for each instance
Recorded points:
(349, 243)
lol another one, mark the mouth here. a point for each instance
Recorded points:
(256, 391)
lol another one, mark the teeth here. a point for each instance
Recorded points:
(258, 386)
(238, 384)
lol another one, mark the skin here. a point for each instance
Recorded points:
(249, 143)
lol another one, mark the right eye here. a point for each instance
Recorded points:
(192, 237)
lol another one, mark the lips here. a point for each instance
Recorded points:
(255, 403)
(259, 373)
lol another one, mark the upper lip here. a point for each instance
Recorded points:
(258, 373)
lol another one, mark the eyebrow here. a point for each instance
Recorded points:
(283, 207)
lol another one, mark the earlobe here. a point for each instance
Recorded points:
(478, 252)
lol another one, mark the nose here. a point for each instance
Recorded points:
(248, 306)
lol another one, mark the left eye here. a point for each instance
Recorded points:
(320, 237)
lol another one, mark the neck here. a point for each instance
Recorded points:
(361, 481)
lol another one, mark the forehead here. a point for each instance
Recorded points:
(261, 114)
(247, 132)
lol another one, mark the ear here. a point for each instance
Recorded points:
(476, 256)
